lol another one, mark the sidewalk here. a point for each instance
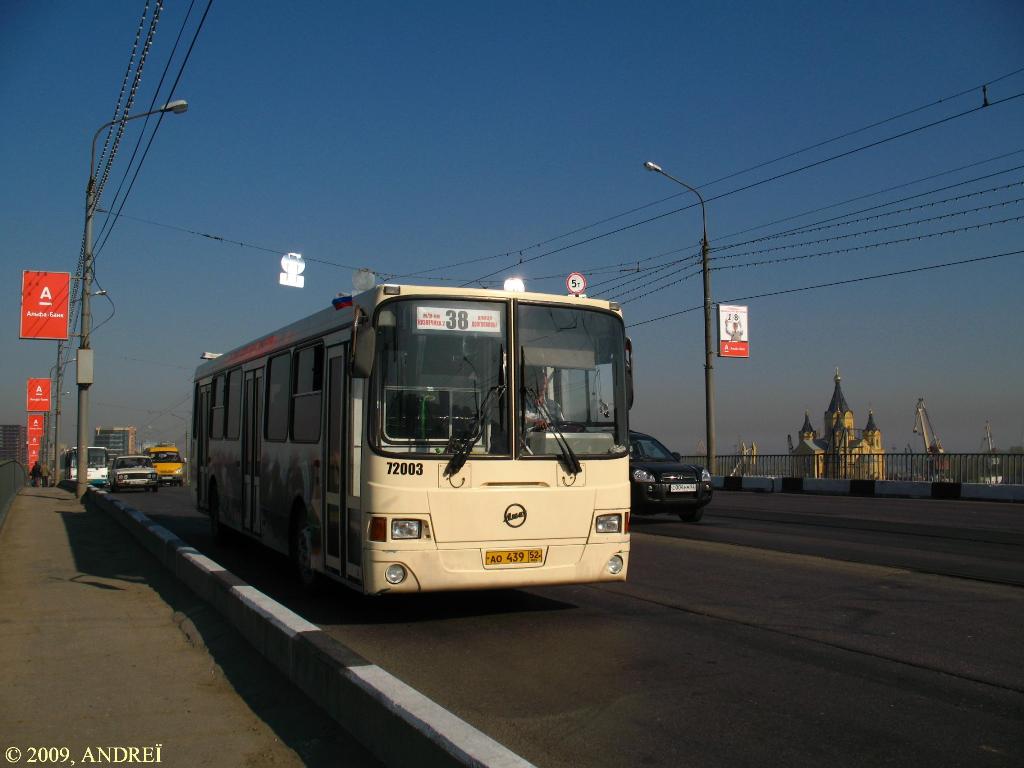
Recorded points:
(101, 647)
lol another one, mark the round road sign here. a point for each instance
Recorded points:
(576, 283)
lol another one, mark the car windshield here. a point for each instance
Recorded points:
(440, 373)
(648, 449)
(130, 462)
(167, 457)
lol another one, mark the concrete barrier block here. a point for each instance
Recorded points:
(984, 492)
(827, 486)
(760, 484)
(908, 488)
(792, 484)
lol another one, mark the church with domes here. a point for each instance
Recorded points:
(840, 450)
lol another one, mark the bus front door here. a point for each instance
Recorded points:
(201, 454)
(252, 450)
(334, 478)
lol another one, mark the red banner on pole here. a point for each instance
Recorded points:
(33, 455)
(44, 304)
(38, 395)
(35, 425)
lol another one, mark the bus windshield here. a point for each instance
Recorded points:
(571, 381)
(440, 373)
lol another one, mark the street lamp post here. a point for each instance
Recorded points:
(709, 368)
(85, 360)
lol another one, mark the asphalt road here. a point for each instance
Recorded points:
(782, 630)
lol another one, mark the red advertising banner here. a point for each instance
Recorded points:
(35, 425)
(44, 304)
(38, 395)
(33, 455)
(733, 331)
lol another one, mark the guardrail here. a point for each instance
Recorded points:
(12, 477)
(983, 468)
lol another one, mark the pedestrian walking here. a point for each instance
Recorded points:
(35, 474)
(44, 473)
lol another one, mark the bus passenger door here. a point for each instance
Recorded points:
(201, 453)
(334, 477)
(252, 450)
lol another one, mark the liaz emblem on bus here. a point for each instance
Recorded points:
(466, 320)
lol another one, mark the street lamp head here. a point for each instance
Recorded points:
(652, 167)
(177, 107)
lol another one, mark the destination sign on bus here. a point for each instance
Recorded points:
(458, 320)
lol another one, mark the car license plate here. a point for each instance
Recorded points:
(513, 557)
(683, 488)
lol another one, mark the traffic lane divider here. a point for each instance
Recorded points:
(398, 724)
(868, 488)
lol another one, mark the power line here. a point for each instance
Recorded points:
(834, 283)
(980, 87)
(754, 184)
(174, 86)
(848, 235)
(227, 241)
(808, 227)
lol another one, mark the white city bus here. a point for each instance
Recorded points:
(95, 473)
(421, 439)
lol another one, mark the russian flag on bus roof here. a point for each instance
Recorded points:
(341, 302)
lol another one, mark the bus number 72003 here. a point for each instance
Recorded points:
(405, 468)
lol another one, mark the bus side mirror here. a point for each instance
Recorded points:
(629, 372)
(363, 346)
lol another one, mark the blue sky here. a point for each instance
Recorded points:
(402, 136)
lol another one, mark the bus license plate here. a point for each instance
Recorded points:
(513, 557)
(683, 488)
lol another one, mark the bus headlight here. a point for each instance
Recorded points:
(615, 565)
(405, 529)
(395, 573)
(609, 523)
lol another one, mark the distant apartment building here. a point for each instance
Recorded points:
(120, 441)
(14, 443)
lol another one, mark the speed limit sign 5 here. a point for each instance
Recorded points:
(576, 283)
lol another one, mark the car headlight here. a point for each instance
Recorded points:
(405, 529)
(608, 523)
(643, 476)
(705, 476)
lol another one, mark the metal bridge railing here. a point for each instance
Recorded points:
(12, 477)
(986, 468)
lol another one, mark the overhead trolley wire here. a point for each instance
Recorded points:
(834, 283)
(812, 226)
(170, 97)
(520, 251)
(776, 177)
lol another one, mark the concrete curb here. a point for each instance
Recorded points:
(399, 725)
(878, 488)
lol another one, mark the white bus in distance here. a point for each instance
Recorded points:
(96, 472)
(422, 439)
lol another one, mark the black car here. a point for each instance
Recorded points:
(659, 482)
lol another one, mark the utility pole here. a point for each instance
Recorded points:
(709, 365)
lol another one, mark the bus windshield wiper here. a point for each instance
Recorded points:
(572, 461)
(459, 447)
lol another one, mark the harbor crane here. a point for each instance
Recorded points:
(923, 427)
